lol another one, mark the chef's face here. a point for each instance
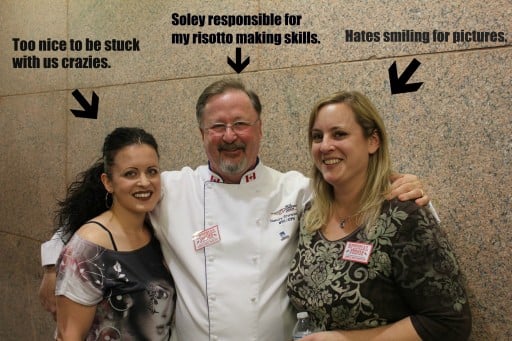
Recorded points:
(231, 132)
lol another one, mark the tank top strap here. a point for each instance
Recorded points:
(108, 231)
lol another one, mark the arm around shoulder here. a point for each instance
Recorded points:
(50, 250)
(408, 187)
(47, 289)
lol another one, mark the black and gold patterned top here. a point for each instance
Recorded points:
(403, 267)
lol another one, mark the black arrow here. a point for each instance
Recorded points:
(399, 84)
(239, 66)
(90, 111)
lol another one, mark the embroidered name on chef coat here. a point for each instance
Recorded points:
(285, 214)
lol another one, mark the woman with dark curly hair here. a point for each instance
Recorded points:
(112, 283)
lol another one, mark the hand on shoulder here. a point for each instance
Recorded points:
(408, 187)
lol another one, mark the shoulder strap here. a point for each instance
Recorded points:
(108, 231)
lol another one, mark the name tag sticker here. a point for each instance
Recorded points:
(206, 237)
(357, 252)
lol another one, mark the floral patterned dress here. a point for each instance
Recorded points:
(405, 267)
(133, 291)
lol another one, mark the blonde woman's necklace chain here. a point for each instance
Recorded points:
(345, 220)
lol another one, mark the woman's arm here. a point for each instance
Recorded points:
(428, 276)
(74, 320)
(398, 331)
(79, 287)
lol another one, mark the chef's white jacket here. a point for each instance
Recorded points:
(235, 288)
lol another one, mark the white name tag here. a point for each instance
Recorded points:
(357, 252)
(206, 237)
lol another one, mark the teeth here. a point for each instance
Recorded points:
(142, 195)
(331, 161)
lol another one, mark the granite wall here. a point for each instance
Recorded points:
(454, 131)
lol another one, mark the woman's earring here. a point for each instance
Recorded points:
(108, 202)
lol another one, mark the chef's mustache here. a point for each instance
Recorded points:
(229, 147)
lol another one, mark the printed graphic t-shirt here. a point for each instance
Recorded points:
(133, 290)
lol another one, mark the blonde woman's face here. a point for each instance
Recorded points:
(339, 148)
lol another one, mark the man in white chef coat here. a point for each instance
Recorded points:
(229, 229)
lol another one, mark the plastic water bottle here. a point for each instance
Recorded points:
(303, 326)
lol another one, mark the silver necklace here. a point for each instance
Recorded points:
(344, 221)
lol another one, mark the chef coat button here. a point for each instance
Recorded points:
(212, 297)
(258, 222)
(215, 338)
(208, 186)
(211, 259)
(253, 299)
(255, 260)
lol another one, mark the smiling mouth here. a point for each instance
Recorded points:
(143, 195)
(232, 151)
(331, 161)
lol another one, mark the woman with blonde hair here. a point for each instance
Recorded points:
(369, 268)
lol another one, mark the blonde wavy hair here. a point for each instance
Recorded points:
(379, 165)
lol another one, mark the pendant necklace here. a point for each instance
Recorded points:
(344, 221)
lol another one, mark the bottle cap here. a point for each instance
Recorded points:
(302, 315)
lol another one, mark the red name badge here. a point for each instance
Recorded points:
(206, 237)
(357, 252)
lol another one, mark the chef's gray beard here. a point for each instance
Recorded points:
(233, 168)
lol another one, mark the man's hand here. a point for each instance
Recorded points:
(47, 290)
(408, 187)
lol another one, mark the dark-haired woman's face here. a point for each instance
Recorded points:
(135, 178)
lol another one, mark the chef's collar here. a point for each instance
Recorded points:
(249, 176)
